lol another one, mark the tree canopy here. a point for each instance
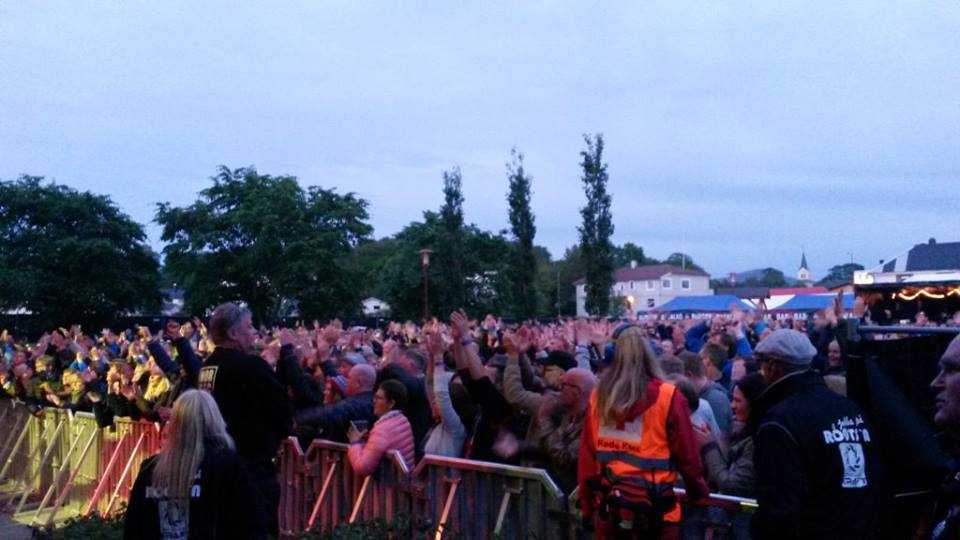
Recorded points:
(71, 256)
(523, 267)
(482, 264)
(265, 240)
(841, 272)
(596, 228)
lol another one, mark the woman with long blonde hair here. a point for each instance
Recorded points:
(196, 487)
(636, 438)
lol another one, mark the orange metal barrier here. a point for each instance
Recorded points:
(320, 490)
(62, 464)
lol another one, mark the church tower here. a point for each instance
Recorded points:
(803, 274)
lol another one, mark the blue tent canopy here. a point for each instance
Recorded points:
(719, 303)
(814, 302)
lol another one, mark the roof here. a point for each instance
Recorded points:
(813, 302)
(932, 256)
(745, 292)
(803, 261)
(702, 304)
(653, 271)
(799, 290)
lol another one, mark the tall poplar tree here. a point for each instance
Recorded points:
(523, 267)
(449, 254)
(596, 228)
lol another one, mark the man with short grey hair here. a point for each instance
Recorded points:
(254, 403)
(818, 469)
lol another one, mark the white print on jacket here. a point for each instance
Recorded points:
(847, 433)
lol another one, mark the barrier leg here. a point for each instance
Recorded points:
(123, 476)
(27, 489)
(73, 476)
(6, 410)
(56, 477)
(22, 475)
(504, 505)
(322, 496)
(447, 505)
(360, 497)
(16, 446)
(106, 474)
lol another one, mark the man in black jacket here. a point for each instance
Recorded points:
(332, 421)
(818, 471)
(252, 400)
(946, 518)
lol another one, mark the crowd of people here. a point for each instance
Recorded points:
(740, 404)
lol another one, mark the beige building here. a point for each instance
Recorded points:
(647, 287)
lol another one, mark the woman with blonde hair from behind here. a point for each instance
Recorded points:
(636, 437)
(196, 487)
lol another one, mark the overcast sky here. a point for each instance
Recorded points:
(735, 131)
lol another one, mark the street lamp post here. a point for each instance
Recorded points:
(425, 259)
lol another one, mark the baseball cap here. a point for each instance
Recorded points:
(561, 359)
(789, 346)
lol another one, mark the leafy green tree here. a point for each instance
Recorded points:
(596, 228)
(682, 260)
(523, 270)
(842, 272)
(264, 240)
(556, 283)
(483, 265)
(449, 249)
(72, 257)
(625, 254)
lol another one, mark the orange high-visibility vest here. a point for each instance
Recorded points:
(637, 453)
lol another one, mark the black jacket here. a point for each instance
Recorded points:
(223, 504)
(819, 474)
(252, 400)
(334, 420)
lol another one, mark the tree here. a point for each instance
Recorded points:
(263, 240)
(682, 260)
(630, 252)
(483, 265)
(523, 270)
(449, 250)
(72, 257)
(596, 228)
(842, 272)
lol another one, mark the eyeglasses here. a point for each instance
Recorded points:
(764, 358)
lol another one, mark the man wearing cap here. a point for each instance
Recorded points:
(818, 469)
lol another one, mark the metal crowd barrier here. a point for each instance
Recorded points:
(60, 464)
(476, 497)
(319, 489)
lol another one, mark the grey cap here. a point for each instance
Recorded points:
(789, 346)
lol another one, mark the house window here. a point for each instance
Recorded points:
(666, 284)
(649, 285)
(631, 285)
(651, 302)
(685, 284)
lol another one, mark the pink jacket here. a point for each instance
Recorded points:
(391, 432)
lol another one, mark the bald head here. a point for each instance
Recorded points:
(361, 378)
(575, 387)
(583, 379)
